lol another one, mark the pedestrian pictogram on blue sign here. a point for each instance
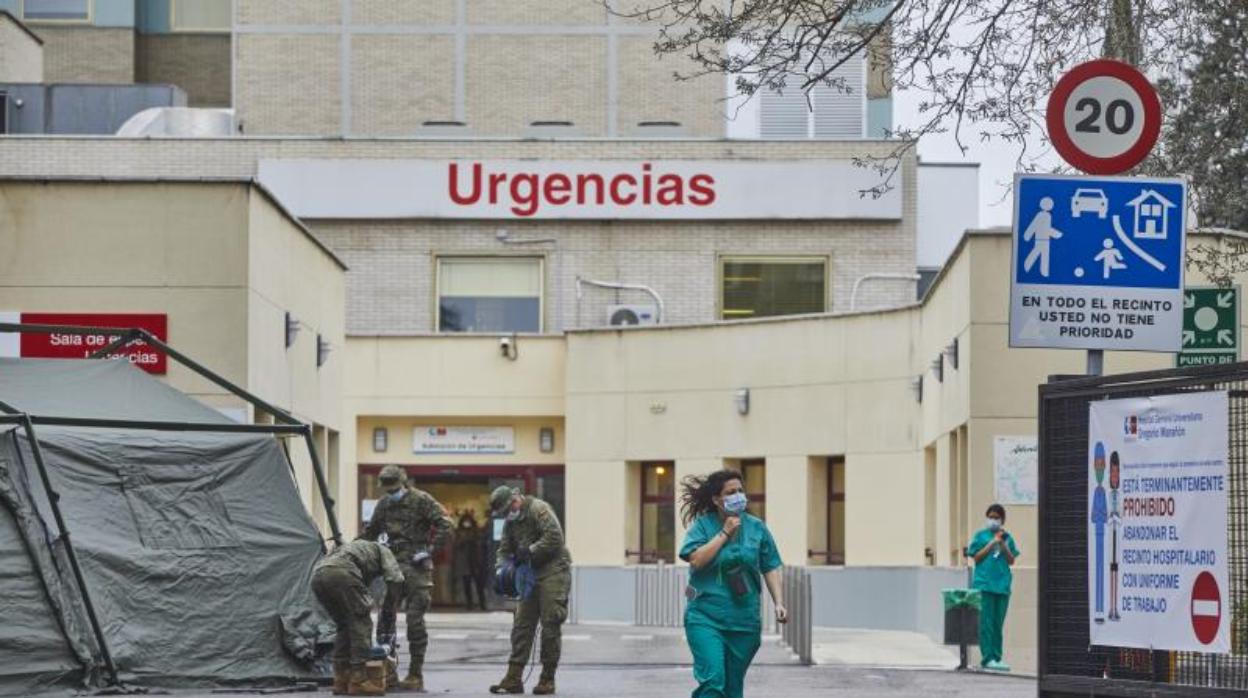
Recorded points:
(1098, 262)
(1107, 232)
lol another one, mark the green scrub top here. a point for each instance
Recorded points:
(992, 574)
(711, 600)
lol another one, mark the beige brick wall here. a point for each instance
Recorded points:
(390, 285)
(21, 55)
(291, 12)
(397, 12)
(198, 63)
(399, 82)
(649, 92)
(515, 80)
(391, 261)
(87, 54)
(528, 12)
(519, 65)
(288, 84)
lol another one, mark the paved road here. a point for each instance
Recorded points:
(468, 653)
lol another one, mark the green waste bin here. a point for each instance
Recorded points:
(961, 615)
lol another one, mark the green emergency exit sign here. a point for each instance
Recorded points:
(1210, 326)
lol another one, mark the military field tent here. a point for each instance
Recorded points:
(193, 545)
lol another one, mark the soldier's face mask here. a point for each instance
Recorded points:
(395, 494)
(513, 512)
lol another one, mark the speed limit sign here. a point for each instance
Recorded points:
(1104, 117)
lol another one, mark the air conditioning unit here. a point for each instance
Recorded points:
(624, 315)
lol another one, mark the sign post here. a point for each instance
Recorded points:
(1103, 117)
(1210, 327)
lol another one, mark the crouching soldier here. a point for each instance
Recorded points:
(532, 535)
(340, 582)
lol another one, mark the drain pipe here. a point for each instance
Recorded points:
(853, 296)
(658, 302)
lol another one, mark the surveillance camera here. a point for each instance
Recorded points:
(504, 345)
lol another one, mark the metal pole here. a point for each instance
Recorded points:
(1096, 362)
(148, 338)
(53, 502)
(322, 485)
(116, 346)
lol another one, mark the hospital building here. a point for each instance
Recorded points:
(495, 242)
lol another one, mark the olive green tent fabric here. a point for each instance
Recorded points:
(195, 547)
(96, 390)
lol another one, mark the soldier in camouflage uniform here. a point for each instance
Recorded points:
(532, 534)
(340, 582)
(416, 527)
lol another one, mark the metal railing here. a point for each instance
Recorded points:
(661, 595)
(660, 591)
(798, 633)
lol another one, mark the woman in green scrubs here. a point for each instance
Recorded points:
(730, 554)
(994, 551)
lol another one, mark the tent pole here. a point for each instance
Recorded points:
(121, 342)
(138, 333)
(54, 502)
(277, 412)
(326, 498)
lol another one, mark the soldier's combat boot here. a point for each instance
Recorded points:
(342, 675)
(361, 683)
(392, 674)
(513, 682)
(413, 682)
(546, 685)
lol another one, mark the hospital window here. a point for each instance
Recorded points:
(755, 472)
(836, 511)
(202, 15)
(490, 294)
(767, 286)
(57, 10)
(658, 512)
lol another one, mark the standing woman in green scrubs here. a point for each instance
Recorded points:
(994, 552)
(730, 553)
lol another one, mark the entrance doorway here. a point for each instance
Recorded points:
(465, 493)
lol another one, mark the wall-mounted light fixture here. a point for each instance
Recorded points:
(292, 329)
(951, 353)
(742, 400)
(381, 440)
(322, 351)
(938, 367)
(546, 440)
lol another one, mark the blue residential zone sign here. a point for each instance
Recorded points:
(1098, 262)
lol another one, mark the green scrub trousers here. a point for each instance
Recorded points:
(720, 659)
(991, 622)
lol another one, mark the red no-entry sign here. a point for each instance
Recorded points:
(1104, 117)
(1206, 608)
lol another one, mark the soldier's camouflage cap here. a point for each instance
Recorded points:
(501, 497)
(392, 475)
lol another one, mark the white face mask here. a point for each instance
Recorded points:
(993, 524)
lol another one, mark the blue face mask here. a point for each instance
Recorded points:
(397, 495)
(735, 503)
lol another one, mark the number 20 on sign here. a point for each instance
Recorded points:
(1104, 117)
